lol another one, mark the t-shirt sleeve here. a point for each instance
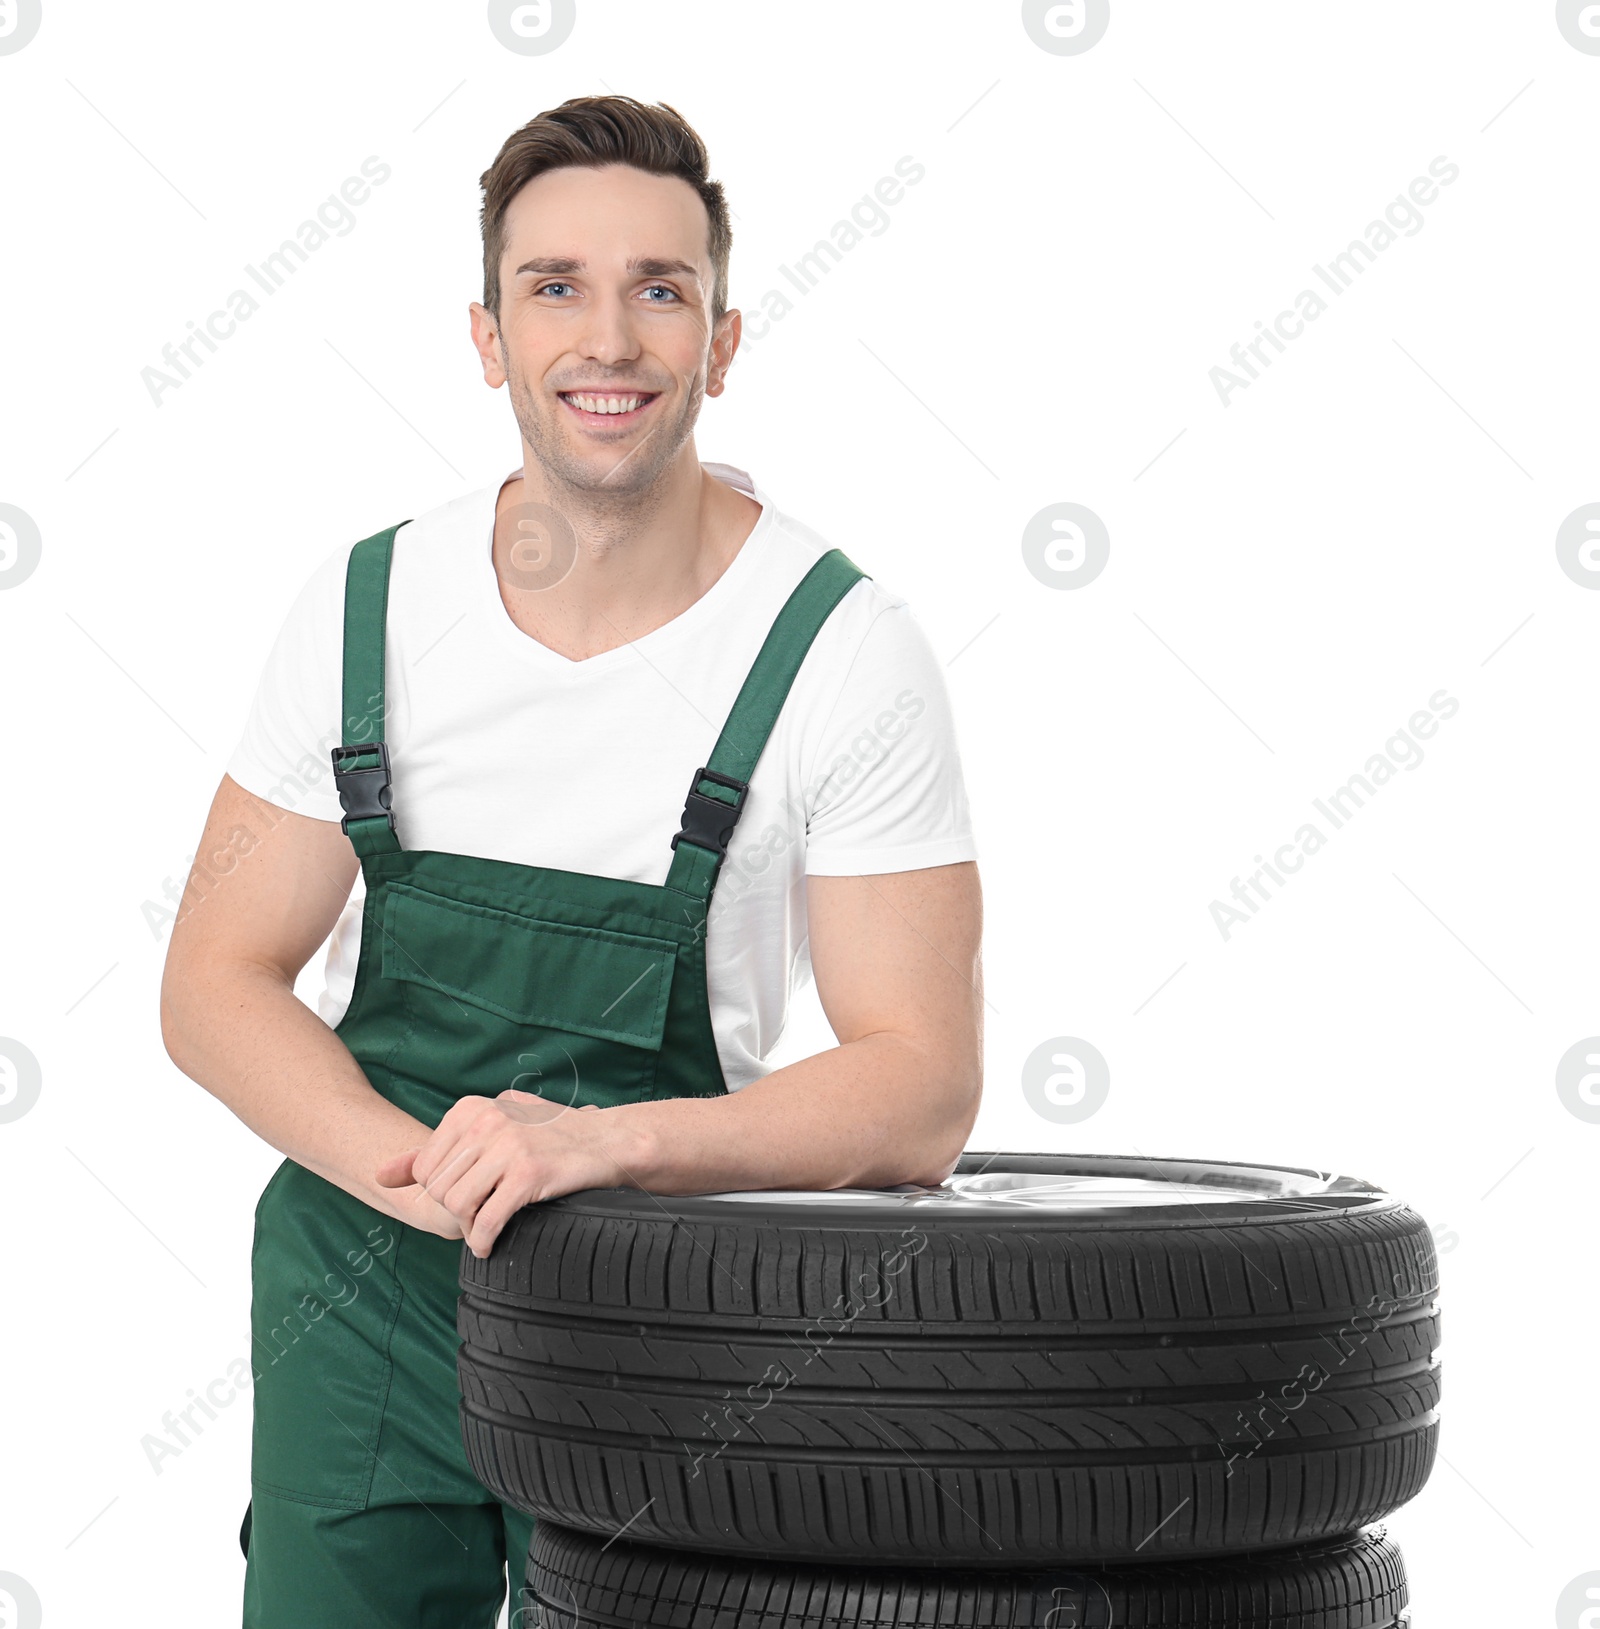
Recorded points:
(885, 790)
(293, 723)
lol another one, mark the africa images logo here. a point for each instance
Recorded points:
(532, 28)
(1579, 22)
(19, 22)
(1402, 217)
(1066, 28)
(20, 546)
(1403, 750)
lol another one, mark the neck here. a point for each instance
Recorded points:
(584, 570)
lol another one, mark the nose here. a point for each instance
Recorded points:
(607, 335)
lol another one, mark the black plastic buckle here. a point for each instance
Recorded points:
(365, 794)
(708, 822)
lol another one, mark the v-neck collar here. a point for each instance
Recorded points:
(529, 649)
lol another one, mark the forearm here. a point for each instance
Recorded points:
(873, 1113)
(244, 1035)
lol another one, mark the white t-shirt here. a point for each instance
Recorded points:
(501, 747)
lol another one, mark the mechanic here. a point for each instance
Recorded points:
(534, 991)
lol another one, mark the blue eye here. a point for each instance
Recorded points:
(654, 288)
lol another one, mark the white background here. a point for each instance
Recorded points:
(1289, 580)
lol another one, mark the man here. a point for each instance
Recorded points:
(560, 973)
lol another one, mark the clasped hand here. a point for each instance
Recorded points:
(490, 1156)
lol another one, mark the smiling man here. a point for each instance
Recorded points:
(560, 970)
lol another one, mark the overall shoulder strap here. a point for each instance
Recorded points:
(361, 764)
(717, 792)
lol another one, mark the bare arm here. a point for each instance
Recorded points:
(265, 891)
(897, 965)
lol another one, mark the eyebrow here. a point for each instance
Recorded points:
(639, 266)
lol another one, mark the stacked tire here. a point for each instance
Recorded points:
(1076, 1391)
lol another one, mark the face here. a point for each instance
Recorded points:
(605, 303)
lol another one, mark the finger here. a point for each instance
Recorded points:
(474, 1184)
(448, 1168)
(506, 1200)
(395, 1172)
(435, 1213)
(447, 1137)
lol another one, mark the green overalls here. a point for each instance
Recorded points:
(475, 975)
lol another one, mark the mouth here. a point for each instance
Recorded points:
(608, 409)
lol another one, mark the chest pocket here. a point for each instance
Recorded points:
(496, 999)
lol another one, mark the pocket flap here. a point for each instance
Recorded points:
(593, 981)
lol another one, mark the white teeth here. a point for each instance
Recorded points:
(605, 404)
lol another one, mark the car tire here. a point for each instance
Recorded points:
(579, 1581)
(1049, 1358)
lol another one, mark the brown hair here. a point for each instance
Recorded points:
(584, 133)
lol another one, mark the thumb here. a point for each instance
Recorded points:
(395, 1172)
